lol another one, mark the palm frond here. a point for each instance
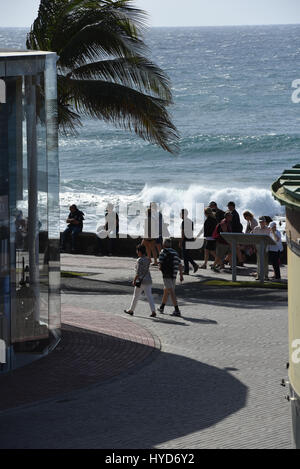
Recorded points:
(137, 72)
(103, 70)
(127, 108)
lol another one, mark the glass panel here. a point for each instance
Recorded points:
(29, 332)
(53, 196)
(29, 213)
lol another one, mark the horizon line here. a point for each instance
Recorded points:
(194, 26)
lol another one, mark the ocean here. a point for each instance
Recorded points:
(239, 128)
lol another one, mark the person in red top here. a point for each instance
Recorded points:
(222, 247)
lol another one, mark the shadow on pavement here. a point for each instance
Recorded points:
(169, 397)
(189, 292)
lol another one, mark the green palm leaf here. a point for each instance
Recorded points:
(103, 70)
(132, 71)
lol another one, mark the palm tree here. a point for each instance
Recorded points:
(102, 70)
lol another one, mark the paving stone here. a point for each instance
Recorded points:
(210, 379)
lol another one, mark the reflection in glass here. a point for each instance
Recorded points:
(29, 201)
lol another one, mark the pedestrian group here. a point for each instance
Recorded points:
(168, 260)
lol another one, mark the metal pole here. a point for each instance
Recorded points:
(262, 261)
(233, 248)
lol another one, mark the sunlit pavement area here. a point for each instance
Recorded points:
(210, 379)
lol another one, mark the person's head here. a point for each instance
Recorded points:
(208, 212)
(141, 250)
(167, 243)
(248, 215)
(228, 216)
(231, 206)
(184, 213)
(153, 206)
(262, 221)
(73, 208)
(212, 205)
(273, 225)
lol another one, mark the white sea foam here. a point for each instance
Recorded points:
(258, 201)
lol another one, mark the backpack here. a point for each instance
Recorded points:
(167, 264)
(216, 233)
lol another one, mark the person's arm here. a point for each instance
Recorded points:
(182, 235)
(137, 268)
(161, 259)
(134, 280)
(73, 221)
(276, 234)
(253, 223)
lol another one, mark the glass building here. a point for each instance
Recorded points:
(29, 208)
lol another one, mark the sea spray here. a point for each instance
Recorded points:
(258, 201)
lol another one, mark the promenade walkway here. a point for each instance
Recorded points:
(210, 379)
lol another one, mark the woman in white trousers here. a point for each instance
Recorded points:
(142, 281)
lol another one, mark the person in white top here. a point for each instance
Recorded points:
(275, 249)
(142, 281)
(262, 229)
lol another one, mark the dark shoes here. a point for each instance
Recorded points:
(176, 313)
(196, 267)
(128, 312)
(152, 315)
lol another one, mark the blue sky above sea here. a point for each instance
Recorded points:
(19, 13)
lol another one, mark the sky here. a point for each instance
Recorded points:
(180, 13)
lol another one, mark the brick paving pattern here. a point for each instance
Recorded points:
(85, 356)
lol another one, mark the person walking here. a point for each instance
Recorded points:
(169, 264)
(251, 221)
(248, 250)
(275, 250)
(187, 229)
(219, 214)
(210, 243)
(75, 225)
(142, 282)
(110, 230)
(149, 236)
(236, 227)
(262, 229)
(222, 247)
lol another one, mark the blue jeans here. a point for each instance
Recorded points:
(74, 231)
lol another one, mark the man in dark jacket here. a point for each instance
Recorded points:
(236, 227)
(75, 225)
(219, 214)
(187, 228)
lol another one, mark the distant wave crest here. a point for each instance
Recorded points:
(208, 143)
